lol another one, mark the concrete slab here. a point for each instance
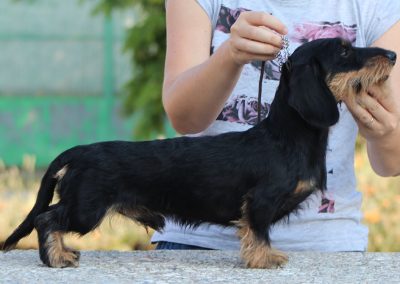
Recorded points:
(201, 267)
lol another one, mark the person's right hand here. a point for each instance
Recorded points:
(255, 36)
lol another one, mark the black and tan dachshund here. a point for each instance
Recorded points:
(249, 179)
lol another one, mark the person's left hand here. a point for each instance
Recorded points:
(376, 111)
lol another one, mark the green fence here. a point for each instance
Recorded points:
(61, 70)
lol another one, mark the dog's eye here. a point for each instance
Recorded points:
(345, 51)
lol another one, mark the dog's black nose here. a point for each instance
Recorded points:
(391, 56)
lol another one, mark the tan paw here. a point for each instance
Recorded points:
(64, 259)
(267, 259)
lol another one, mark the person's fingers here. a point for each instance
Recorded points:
(261, 34)
(379, 92)
(264, 19)
(372, 106)
(255, 47)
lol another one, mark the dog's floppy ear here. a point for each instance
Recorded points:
(311, 97)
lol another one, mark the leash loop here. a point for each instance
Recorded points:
(281, 57)
(260, 91)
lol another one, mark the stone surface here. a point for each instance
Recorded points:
(201, 267)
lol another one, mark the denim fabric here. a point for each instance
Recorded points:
(173, 246)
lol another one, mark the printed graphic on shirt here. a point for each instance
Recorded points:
(307, 32)
(302, 33)
(227, 17)
(243, 109)
(327, 204)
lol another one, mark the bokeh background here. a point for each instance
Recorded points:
(80, 71)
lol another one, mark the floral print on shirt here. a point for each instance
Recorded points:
(327, 204)
(310, 31)
(302, 33)
(243, 109)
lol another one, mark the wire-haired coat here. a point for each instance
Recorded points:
(250, 179)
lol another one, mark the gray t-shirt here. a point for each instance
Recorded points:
(329, 222)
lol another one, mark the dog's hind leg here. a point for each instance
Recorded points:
(50, 229)
(253, 232)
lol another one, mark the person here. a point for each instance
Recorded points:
(214, 49)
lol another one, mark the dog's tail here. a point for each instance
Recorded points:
(43, 199)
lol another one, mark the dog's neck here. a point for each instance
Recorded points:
(283, 121)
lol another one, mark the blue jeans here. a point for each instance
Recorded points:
(176, 246)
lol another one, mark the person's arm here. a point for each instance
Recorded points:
(196, 85)
(378, 114)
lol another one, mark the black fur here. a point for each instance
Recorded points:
(205, 179)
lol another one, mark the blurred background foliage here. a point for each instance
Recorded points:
(68, 82)
(146, 44)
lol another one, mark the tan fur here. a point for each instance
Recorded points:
(376, 71)
(136, 214)
(133, 214)
(255, 252)
(59, 255)
(61, 173)
(304, 186)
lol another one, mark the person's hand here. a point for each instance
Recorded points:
(255, 36)
(376, 111)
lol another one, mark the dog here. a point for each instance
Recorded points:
(248, 179)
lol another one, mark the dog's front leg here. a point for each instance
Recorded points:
(256, 251)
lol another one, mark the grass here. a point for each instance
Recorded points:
(18, 187)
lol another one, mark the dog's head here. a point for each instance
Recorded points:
(320, 73)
